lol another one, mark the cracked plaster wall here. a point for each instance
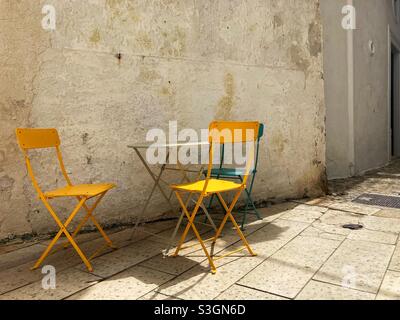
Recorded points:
(186, 60)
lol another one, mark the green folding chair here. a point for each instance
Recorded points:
(238, 174)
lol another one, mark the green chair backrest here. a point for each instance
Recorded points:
(260, 135)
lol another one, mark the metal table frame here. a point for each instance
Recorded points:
(157, 178)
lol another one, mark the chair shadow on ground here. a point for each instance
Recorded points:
(196, 270)
(199, 269)
(194, 264)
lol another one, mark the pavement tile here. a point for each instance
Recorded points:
(357, 264)
(339, 218)
(199, 283)
(237, 292)
(80, 238)
(275, 211)
(67, 283)
(160, 226)
(17, 277)
(288, 270)
(373, 236)
(20, 256)
(315, 208)
(326, 231)
(355, 208)
(21, 275)
(274, 236)
(381, 224)
(156, 296)
(316, 290)
(395, 263)
(128, 285)
(308, 216)
(192, 253)
(119, 260)
(390, 288)
(173, 265)
(388, 213)
(16, 245)
(165, 236)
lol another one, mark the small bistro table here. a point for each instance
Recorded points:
(157, 179)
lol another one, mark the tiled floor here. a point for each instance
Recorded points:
(303, 253)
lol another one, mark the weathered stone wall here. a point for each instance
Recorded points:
(184, 60)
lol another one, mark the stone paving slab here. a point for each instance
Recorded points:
(119, 260)
(80, 238)
(20, 256)
(237, 292)
(388, 213)
(160, 226)
(340, 218)
(395, 263)
(316, 290)
(361, 264)
(128, 285)
(157, 296)
(17, 277)
(289, 270)
(192, 253)
(390, 288)
(326, 231)
(373, 236)
(266, 241)
(67, 283)
(355, 208)
(21, 275)
(165, 236)
(309, 207)
(307, 216)
(173, 265)
(16, 245)
(199, 283)
(381, 224)
(303, 235)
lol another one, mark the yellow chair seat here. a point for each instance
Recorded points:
(88, 190)
(214, 186)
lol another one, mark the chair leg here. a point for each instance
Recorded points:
(229, 214)
(63, 229)
(249, 201)
(224, 205)
(254, 206)
(249, 191)
(191, 225)
(90, 216)
(191, 220)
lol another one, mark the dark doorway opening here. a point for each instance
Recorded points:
(395, 101)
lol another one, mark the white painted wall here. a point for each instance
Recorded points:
(371, 82)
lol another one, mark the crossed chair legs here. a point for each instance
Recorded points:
(228, 215)
(70, 237)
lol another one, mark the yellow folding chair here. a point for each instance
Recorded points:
(220, 133)
(48, 138)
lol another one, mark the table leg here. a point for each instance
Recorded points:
(156, 185)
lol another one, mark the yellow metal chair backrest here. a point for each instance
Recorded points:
(37, 138)
(29, 139)
(225, 132)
